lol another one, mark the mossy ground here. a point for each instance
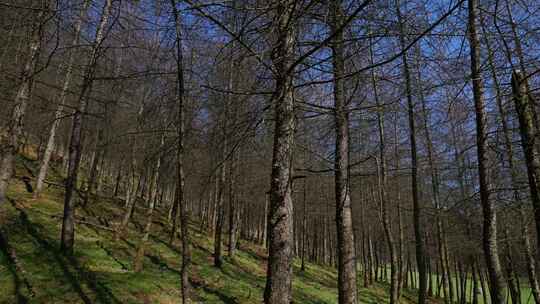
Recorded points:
(101, 270)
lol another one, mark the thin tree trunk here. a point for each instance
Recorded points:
(265, 221)
(218, 236)
(61, 101)
(68, 224)
(382, 184)
(98, 155)
(180, 177)
(304, 226)
(489, 214)
(345, 233)
(152, 197)
(419, 242)
(233, 212)
(118, 179)
(399, 208)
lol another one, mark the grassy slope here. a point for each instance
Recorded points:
(101, 269)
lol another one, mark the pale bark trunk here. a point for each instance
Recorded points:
(61, 101)
(233, 212)
(9, 146)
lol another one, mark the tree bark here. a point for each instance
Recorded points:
(220, 216)
(382, 184)
(344, 225)
(94, 167)
(496, 278)
(418, 235)
(68, 223)
(180, 176)
(152, 197)
(9, 147)
(528, 141)
(304, 227)
(278, 288)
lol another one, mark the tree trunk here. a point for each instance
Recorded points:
(528, 141)
(220, 208)
(98, 155)
(304, 227)
(278, 288)
(61, 101)
(138, 263)
(233, 223)
(345, 232)
(529, 256)
(118, 179)
(382, 184)
(496, 279)
(513, 287)
(9, 147)
(180, 177)
(265, 221)
(68, 223)
(419, 242)
(399, 206)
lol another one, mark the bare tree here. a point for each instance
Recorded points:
(496, 278)
(279, 272)
(180, 177)
(68, 223)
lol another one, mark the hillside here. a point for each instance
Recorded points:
(33, 270)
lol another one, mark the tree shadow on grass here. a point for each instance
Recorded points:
(71, 268)
(223, 297)
(12, 267)
(319, 277)
(161, 264)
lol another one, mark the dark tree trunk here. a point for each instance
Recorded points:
(180, 177)
(220, 216)
(304, 227)
(419, 242)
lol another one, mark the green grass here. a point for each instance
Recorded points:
(526, 296)
(101, 269)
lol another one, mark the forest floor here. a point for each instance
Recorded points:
(32, 269)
